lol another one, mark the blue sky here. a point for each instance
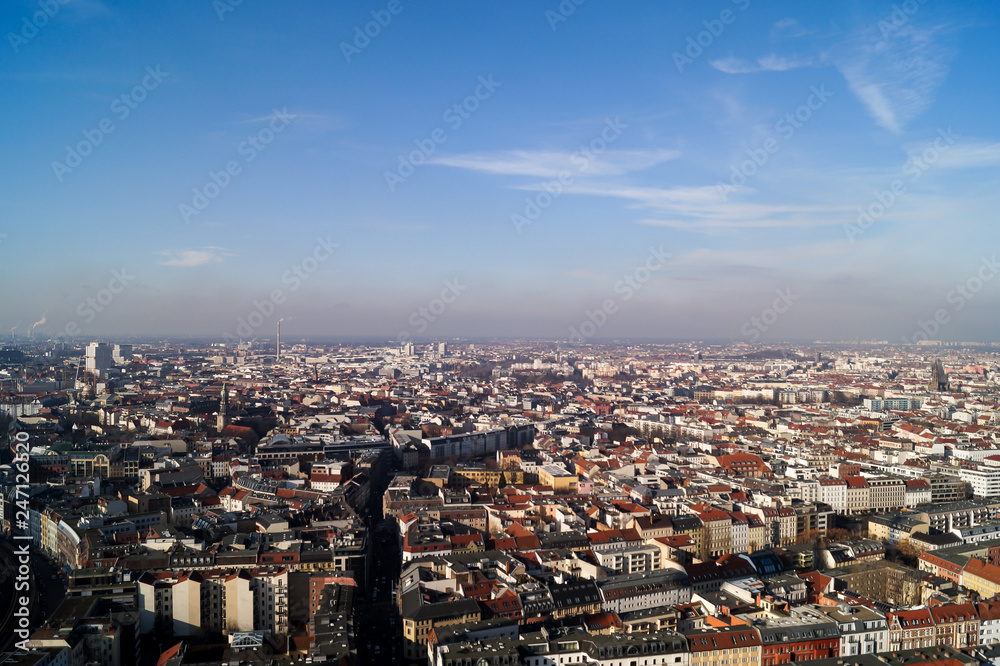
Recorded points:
(740, 138)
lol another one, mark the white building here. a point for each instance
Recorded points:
(985, 481)
(122, 354)
(834, 493)
(632, 592)
(862, 630)
(99, 358)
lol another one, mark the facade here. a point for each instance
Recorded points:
(911, 629)
(557, 478)
(99, 358)
(834, 493)
(956, 625)
(634, 592)
(862, 630)
(886, 494)
(795, 639)
(983, 479)
(419, 617)
(739, 645)
(989, 623)
(718, 534)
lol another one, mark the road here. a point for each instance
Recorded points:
(377, 627)
(46, 592)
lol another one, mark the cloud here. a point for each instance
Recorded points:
(897, 76)
(708, 225)
(549, 164)
(788, 28)
(970, 156)
(734, 66)
(85, 9)
(193, 257)
(321, 122)
(702, 210)
(769, 63)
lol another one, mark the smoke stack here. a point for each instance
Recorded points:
(277, 352)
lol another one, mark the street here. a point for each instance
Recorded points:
(376, 620)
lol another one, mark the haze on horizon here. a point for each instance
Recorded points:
(725, 170)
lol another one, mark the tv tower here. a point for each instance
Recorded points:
(277, 348)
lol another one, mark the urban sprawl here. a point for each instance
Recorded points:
(499, 503)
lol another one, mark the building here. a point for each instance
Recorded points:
(896, 529)
(946, 517)
(122, 354)
(882, 581)
(939, 380)
(886, 494)
(911, 629)
(717, 533)
(984, 480)
(956, 625)
(223, 419)
(633, 592)
(423, 609)
(798, 638)
(710, 646)
(98, 358)
(862, 630)
(558, 478)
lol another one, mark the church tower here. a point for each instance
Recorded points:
(939, 380)
(223, 409)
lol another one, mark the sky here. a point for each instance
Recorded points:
(586, 170)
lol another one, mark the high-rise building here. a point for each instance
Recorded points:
(99, 357)
(122, 354)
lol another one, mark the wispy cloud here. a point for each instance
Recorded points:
(713, 226)
(310, 121)
(549, 164)
(896, 76)
(193, 257)
(970, 156)
(700, 209)
(85, 9)
(788, 28)
(769, 63)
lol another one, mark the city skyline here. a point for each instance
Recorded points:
(731, 171)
